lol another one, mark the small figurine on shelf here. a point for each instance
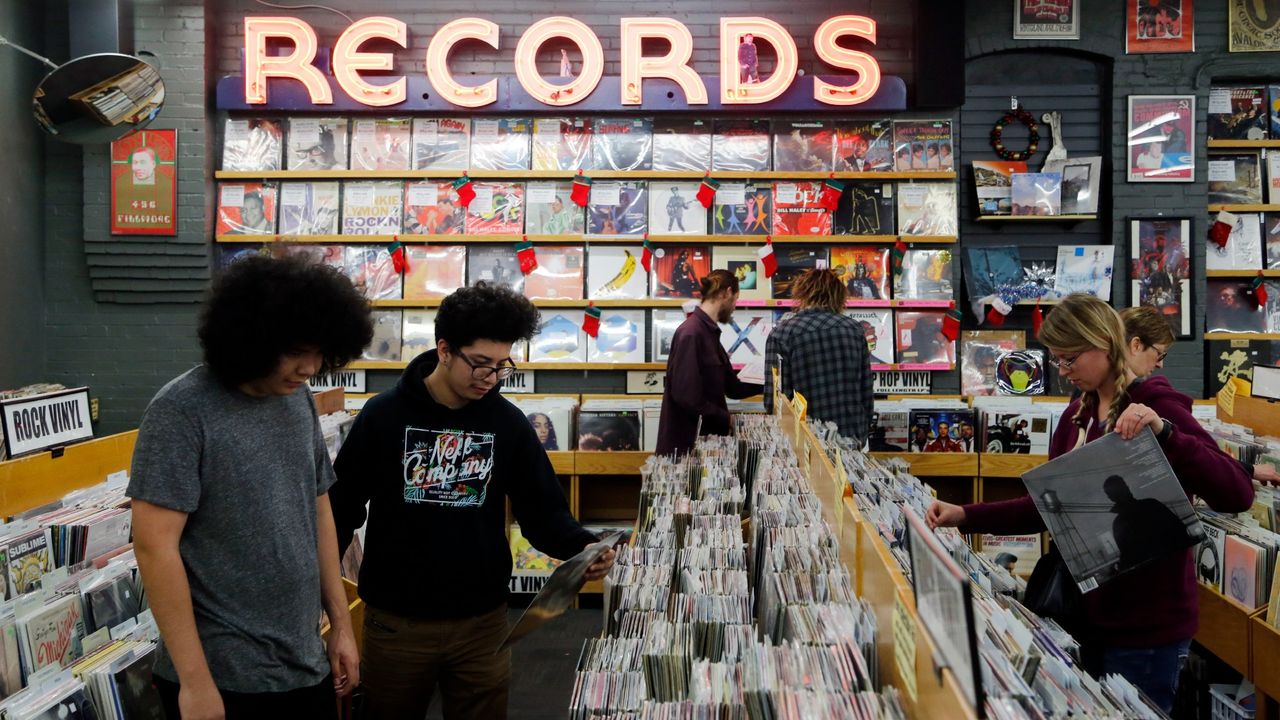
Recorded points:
(748, 60)
(1058, 154)
(566, 67)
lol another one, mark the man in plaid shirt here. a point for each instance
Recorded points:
(823, 354)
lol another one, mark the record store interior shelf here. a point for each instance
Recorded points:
(936, 464)
(569, 174)
(1221, 144)
(1036, 218)
(679, 302)
(530, 366)
(1245, 208)
(571, 239)
(1241, 336)
(1241, 273)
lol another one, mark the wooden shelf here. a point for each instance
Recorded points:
(1241, 273)
(1241, 336)
(675, 303)
(581, 239)
(937, 464)
(570, 174)
(562, 461)
(1264, 640)
(527, 366)
(1245, 208)
(609, 463)
(1211, 144)
(1224, 629)
(1008, 465)
(1025, 218)
(39, 479)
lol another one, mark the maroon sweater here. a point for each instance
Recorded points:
(1155, 604)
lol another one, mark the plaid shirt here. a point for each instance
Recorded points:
(825, 357)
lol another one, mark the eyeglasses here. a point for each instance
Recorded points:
(1160, 354)
(482, 372)
(1063, 363)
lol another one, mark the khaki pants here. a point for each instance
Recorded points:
(405, 660)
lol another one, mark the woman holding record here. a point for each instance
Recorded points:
(1140, 624)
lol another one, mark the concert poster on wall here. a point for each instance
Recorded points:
(1046, 19)
(1160, 273)
(1161, 128)
(1159, 26)
(144, 191)
(1253, 26)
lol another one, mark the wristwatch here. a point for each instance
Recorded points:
(1165, 431)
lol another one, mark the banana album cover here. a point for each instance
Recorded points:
(615, 272)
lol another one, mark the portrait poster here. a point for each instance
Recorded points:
(1159, 26)
(144, 188)
(1253, 25)
(1160, 273)
(1160, 132)
(1046, 19)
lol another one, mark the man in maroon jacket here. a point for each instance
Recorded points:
(699, 375)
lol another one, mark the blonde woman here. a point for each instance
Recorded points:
(1140, 624)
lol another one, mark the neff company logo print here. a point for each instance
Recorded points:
(447, 467)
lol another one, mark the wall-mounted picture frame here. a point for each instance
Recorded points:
(1046, 19)
(144, 183)
(1161, 136)
(1081, 183)
(1159, 26)
(1160, 268)
(1252, 26)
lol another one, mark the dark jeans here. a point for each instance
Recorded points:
(1153, 670)
(317, 701)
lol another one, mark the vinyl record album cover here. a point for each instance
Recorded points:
(618, 208)
(743, 337)
(1020, 372)
(744, 263)
(549, 210)
(681, 144)
(877, 326)
(1037, 194)
(495, 264)
(1243, 250)
(740, 144)
(742, 209)
(559, 339)
(246, 208)
(621, 338)
(372, 207)
(608, 430)
(920, 338)
(1230, 306)
(561, 143)
(792, 261)
(432, 208)
(864, 270)
(1086, 269)
(926, 275)
(864, 146)
(665, 323)
(796, 210)
(497, 209)
(441, 144)
(943, 431)
(418, 333)
(1017, 554)
(922, 145)
(386, 343)
(614, 272)
(559, 274)
(317, 144)
(1209, 554)
(674, 209)
(622, 144)
(1235, 179)
(434, 271)
(992, 270)
(309, 208)
(803, 145)
(927, 209)
(251, 145)
(890, 431)
(994, 182)
(381, 144)
(370, 269)
(501, 144)
(1271, 237)
(551, 418)
(980, 352)
(866, 208)
(1238, 113)
(678, 270)
(1273, 111)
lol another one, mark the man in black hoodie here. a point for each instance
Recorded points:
(435, 459)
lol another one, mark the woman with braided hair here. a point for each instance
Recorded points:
(1140, 624)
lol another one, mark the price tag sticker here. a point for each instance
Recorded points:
(482, 204)
(237, 131)
(424, 195)
(232, 196)
(360, 194)
(731, 194)
(305, 131)
(542, 193)
(548, 129)
(1220, 101)
(293, 195)
(485, 130)
(427, 131)
(606, 194)
(365, 128)
(1222, 171)
(785, 193)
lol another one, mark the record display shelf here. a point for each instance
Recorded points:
(680, 302)
(570, 174)
(1245, 208)
(1236, 144)
(573, 239)
(1036, 218)
(1241, 335)
(1241, 273)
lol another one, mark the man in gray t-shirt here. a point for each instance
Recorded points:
(232, 526)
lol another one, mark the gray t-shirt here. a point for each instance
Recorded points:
(247, 472)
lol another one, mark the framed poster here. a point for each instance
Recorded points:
(1161, 128)
(144, 187)
(1046, 19)
(1253, 25)
(1159, 26)
(1160, 269)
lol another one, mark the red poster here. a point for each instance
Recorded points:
(1159, 26)
(144, 188)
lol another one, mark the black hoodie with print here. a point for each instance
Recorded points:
(435, 480)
